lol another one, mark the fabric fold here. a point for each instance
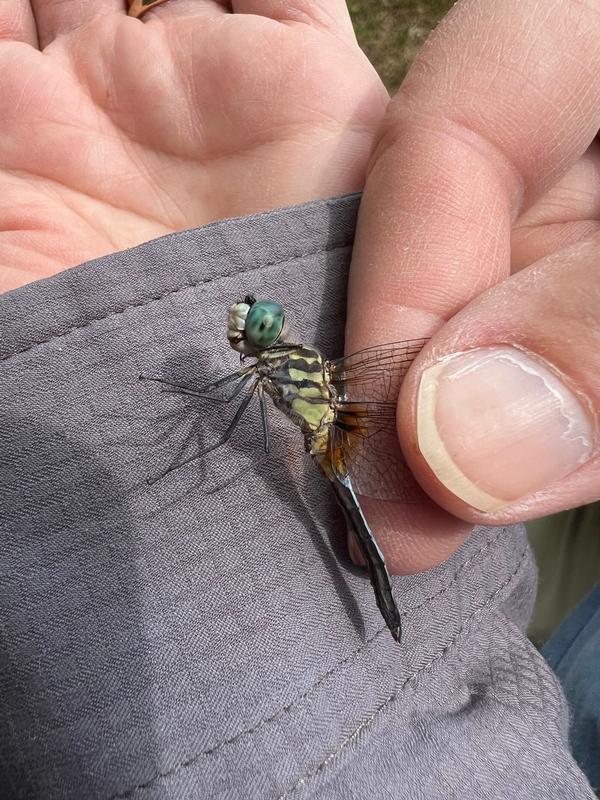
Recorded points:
(207, 636)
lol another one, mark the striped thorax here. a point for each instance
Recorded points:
(297, 380)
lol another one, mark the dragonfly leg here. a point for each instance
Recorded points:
(206, 393)
(380, 578)
(211, 397)
(232, 426)
(264, 412)
(234, 422)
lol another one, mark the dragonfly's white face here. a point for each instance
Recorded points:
(236, 327)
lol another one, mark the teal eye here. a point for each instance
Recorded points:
(264, 324)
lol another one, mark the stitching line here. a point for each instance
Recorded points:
(148, 301)
(396, 693)
(311, 689)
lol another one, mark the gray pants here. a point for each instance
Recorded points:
(206, 637)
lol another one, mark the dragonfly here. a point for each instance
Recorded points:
(345, 409)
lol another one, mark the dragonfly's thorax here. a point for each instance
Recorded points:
(297, 379)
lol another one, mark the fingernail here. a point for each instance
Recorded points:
(354, 551)
(496, 424)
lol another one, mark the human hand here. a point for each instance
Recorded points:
(480, 227)
(119, 130)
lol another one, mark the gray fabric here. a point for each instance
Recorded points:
(206, 637)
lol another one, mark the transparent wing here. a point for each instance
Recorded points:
(367, 384)
(378, 370)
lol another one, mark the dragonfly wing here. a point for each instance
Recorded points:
(375, 373)
(376, 464)
(367, 384)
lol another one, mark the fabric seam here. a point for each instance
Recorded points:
(311, 689)
(158, 298)
(396, 693)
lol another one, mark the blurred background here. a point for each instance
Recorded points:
(391, 32)
(567, 545)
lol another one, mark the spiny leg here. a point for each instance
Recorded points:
(226, 399)
(234, 422)
(264, 412)
(206, 391)
(232, 426)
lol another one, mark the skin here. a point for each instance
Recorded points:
(480, 227)
(479, 223)
(120, 130)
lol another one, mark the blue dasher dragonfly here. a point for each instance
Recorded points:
(346, 409)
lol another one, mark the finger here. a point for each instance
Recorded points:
(173, 9)
(17, 23)
(500, 418)
(57, 17)
(414, 537)
(495, 109)
(330, 15)
(567, 213)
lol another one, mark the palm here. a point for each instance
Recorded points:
(121, 131)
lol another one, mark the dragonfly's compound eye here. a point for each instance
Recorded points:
(264, 324)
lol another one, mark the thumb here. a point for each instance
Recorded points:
(499, 419)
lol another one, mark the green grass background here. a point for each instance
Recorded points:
(392, 31)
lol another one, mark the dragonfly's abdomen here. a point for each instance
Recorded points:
(297, 382)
